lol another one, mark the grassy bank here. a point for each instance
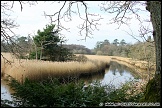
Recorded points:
(139, 64)
(51, 93)
(39, 70)
(144, 69)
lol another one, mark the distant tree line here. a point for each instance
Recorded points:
(48, 45)
(78, 49)
(139, 50)
(33, 47)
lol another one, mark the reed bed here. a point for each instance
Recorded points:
(39, 70)
(6, 60)
(104, 59)
(136, 63)
(143, 73)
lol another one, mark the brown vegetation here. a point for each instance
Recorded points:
(39, 70)
(136, 63)
(144, 69)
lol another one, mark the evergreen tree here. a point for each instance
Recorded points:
(50, 45)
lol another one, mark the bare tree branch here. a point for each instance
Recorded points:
(7, 25)
(119, 7)
(87, 24)
(21, 5)
(131, 34)
(123, 9)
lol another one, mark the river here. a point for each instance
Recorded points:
(116, 75)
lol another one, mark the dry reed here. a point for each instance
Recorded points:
(39, 70)
(136, 63)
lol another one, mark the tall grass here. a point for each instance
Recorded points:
(6, 60)
(142, 68)
(137, 63)
(39, 70)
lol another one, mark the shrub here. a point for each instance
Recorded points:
(81, 58)
(52, 93)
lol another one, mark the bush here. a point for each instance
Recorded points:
(81, 58)
(53, 93)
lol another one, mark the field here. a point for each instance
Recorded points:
(39, 70)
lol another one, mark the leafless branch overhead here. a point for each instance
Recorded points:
(88, 25)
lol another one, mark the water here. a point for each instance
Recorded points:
(117, 79)
(5, 91)
(116, 75)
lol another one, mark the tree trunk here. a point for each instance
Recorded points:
(41, 50)
(153, 88)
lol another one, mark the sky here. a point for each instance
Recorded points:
(31, 19)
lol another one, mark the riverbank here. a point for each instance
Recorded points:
(139, 64)
(41, 70)
(144, 69)
(38, 70)
(134, 88)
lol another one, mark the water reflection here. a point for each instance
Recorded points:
(121, 69)
(116, 75)
(5, 91)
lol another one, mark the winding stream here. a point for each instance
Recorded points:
(116, 75)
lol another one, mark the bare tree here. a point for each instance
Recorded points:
(7, 26)
(123, 8)
(154, 7)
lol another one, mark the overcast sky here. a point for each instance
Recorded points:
(32, 18)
